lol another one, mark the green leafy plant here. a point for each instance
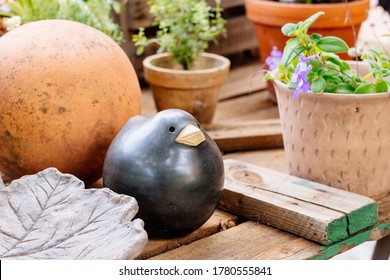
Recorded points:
(310, 62)
(185, 28)
(95, 13)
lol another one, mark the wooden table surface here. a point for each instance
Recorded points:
(247, 128)
(226, 236)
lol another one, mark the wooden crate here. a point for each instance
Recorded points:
(240, 32)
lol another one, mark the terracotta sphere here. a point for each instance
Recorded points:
(66, 90)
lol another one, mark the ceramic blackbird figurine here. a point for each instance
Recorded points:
(169, 164)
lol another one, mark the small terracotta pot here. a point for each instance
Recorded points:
(269, 17)
(341, 140)
(195, 91)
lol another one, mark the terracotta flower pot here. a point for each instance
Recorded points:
(195, 91)
(341, 140)
(269, 17)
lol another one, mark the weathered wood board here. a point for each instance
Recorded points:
(308, 209)
(219, 221)
(256, 241)
(247, 135)
(246, 241)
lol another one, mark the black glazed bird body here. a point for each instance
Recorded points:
(169, 164)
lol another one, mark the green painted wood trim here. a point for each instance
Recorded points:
(327, 252)
(362, 218)
(336, 231)
(384, 228)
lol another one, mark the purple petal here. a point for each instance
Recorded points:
(296, 93)
(269, 60)
(306, 59)
(294, 77)
(276, 53)
(304, 72)
(305, 87)
(273, 60)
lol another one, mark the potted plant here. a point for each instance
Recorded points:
(342, 18)
(95, 13)
(182, 75)
(334, 112)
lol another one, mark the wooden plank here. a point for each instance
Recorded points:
(219, 221)
(306, 190)
(384, 209)
(249, 135)
(271, 158)
(243, 79)
(251, 240)
(314, 211)
(148, 105)
(138, 14)
(254, 241)
(246, 241)
(238, 109)
(275, 159)
(240, 37)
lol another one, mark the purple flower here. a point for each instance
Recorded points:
(273, 60)
(300, 75)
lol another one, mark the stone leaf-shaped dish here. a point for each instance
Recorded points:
(51, 215)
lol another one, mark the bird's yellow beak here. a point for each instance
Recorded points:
(190, 135)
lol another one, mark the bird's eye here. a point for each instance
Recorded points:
(171, 129)
(198, 125)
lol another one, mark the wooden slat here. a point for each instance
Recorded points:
(148, 105)
(250, 135)
(220, 220)
(248, 240)
(245, 107)
(272, 159)
(254, 241)
(243, 80)
(275, 159)
(311, 210)
(138, 14)
(240, 37)
(384, 208)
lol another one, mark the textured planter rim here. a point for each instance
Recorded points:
(265, 15)
(363, 68)
(336, 96)
(195, 91)
(148, 61)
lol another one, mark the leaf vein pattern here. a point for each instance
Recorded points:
(31, 228)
